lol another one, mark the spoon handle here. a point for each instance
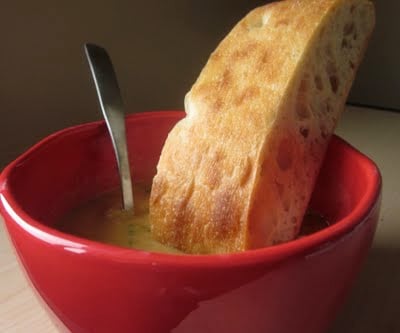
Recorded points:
(112, 107)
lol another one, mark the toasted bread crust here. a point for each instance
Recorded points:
(238, 171)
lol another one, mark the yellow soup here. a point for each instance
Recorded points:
(102, 220)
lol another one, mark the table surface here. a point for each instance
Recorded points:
(374, 303)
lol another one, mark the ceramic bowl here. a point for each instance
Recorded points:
(92, 287)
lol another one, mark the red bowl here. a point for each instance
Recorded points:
(93, 287)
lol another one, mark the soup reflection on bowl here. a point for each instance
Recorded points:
(83, 254)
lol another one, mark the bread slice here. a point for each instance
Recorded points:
(238, 171)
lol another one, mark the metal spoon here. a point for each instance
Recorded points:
(112, 107)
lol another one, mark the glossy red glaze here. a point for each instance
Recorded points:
(92, 287)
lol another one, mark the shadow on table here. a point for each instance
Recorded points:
(374, 303)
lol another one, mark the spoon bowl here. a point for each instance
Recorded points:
(93, 287)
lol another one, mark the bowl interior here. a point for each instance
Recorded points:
(76, 164)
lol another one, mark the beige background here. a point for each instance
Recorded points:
(158, 48)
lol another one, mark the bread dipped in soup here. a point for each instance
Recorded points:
(238, 171)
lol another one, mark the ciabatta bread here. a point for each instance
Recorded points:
(237, 173)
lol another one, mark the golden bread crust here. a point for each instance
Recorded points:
(238, 171)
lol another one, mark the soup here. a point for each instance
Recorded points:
(102, 219)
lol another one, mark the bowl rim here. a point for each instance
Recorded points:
(306, 245)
